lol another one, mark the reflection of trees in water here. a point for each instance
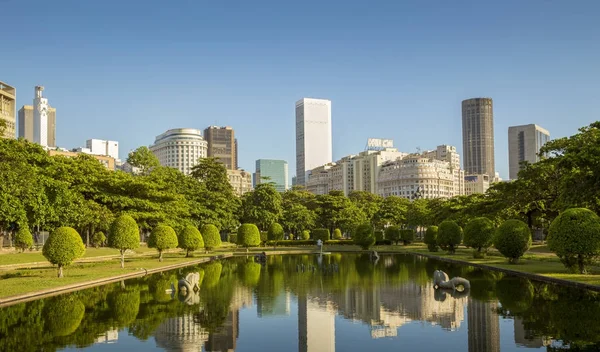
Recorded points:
(63, 314)
(125, 305)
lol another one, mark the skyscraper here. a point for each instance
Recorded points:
(102, 147)
(313, 136)
(26, 124)
(180, 148)
(8, 96)
(483, 326)
(40, 118)
(275, 170)
(524, 143)
(222, 145)
(478, 136)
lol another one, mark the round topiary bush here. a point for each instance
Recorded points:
(63, 314)
(575, 238)
(248, 235)
(162, 237)
(431, 238)
(190, 239)
(124, 234)
(276, 232)
(320, 234)
(98, 239)
(212, 237)
(23, 239)
(393, 233)
(479, 235)
(363, 236)
(407, 236)
(62, 247)
(449, 235)
(305, 235)
(512, 239)
(337, 234)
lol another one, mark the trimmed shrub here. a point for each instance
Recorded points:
(378, 235)
(162, 237)
(63, 314)
(276, 233)
(23, 239)
(232, 238)
(190, 239)
(98, 239)
(305, 235)
(62, 247)
(431, 238)
(124, 234)
(392, 233)
(512, 239)
(342, 242)
(407, 236)
(320, 234)
(248, 235)
(449, 235)
(293, 243)
(211, 236)
(575, 238)
(337, 234)
(363, 236)
(479, 235)
(251, 274)
(264, 237)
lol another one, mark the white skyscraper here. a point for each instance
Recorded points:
(180, 148)
(524, 143)
(40, 118)
(313, 136)
(102, 147)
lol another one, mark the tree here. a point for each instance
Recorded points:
(407, 236)
(512, 239)
(479, 234)
(305, 235)
(23, 239)
(368, 203)
(62, 247)
(334, 208)
(262, 207)
(297, 218)
(190, 239)
(392, 233)
(162, 237)
(337, 234)
(320, 234)
(276, 232)
(575, 238)
(63, 314)
(449, 235)
(143, 159)
(248, 235)
(392, 211)
(124, 234)
(431, 238)
(211, 236)
(363, 236)
(98, 239)
(418, 213)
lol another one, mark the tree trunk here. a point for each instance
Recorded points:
(581, 264)
(60, 271)
(1, 239)
(160, 256)
(87, 238)
(187, 253)
(122, 258)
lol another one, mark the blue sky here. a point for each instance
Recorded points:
(129, 70)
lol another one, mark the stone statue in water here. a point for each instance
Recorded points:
(440, 280)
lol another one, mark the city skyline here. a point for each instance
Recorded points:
(400, 72)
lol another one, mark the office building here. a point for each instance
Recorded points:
(524, 143)
(102, 147)
(180, 148)
(483, 326)
(478, 136)
(275, 170)
(8, 97)
(313, 136)
(25, 123)
(240, 180)
(107, 161)
(222, 145)
(316, 325)
(477, 184)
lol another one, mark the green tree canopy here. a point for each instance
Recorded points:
(363, 236)
(211, 237)
(479, 234)
(143, 159)
(124, 234)
(263, 206)
(449, 235)
(23, 239)
(62, 247)
(162, 237)
(190, 239)
(248, 235)
(512, 239)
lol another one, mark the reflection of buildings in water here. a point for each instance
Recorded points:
(316, 325)
(524, 337)
(242, 298)
(224, 339)
(110, 336)
(180, 334)
(484, 326)
(279, 306)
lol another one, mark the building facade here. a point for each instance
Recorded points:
(477, 184)
(25, 124)
(8, 105)
(180, 148)
(102, 147)
(524, 143)
(222, 145)
(40, 117)
(478, 136)
(107, 161)
(275, 170)
(240, 180)
(313, 136)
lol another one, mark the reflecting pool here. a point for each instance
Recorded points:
(335, 302)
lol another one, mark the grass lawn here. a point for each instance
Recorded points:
(20, 281)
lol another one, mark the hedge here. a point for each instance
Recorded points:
(407, 236)
(293, 243)
(363, 236)
(23, 239)
(392, 233)
(337, 234)
(379, 235)
(320, 234)
(512, 239)
(431, 238)
(276, 232)
(305, 235)
(211, 236)
(248, 235)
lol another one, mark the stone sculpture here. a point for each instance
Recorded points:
(188, 289)
(441, 281)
